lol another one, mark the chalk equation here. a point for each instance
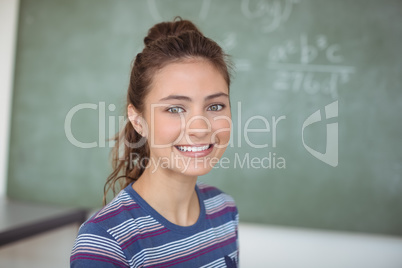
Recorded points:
(269, 13)
(228, 42)
(156, 15)
(294, 63)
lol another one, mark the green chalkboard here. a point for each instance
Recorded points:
(316, 103)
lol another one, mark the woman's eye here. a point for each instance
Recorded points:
(215, 107)
(175, 110)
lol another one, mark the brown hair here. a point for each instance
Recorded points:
(166, 42)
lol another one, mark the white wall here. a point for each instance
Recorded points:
(8, 30)
(284, 247)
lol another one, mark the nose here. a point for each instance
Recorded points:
(198, 127)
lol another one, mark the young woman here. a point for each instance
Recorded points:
(179, 126)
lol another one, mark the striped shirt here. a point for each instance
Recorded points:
(128, 232)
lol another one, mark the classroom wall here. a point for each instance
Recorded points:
(8, 29)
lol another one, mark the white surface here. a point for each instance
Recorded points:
(8, 29)
(49, 250)
(281, 247)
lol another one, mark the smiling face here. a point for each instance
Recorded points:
(188, 117)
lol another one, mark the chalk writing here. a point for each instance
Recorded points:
(153, 9)
(156, 15)
(228, 43)
(271, 14)
(242, 65)
(205, 9)
(296, 68)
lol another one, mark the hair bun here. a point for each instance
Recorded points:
(165, 29)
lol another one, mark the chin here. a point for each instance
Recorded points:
(195, 172)
(197, 167)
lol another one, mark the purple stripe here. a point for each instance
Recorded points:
(220, 212)
(93, 257)
(114, 213)
(207, 189)
(197, 253)
(143, 236)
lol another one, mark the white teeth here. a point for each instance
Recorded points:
(192, 148)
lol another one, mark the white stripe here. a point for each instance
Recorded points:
(133, 225)
(217, 201)
(312, 67)
(95, 241)
(220, 263)
(175, 247)
(118, 201)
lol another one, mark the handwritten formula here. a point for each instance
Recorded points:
(295, 67)
(270, 14)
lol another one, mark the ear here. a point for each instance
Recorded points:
(135, 118)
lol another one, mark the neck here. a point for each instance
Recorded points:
(171, 194)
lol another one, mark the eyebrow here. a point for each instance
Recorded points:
(185, 98)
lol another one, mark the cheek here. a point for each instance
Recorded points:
(165, 130)
(222, 129)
